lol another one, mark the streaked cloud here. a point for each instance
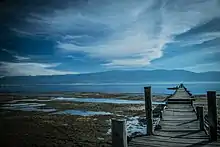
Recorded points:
(15, 55)
(23, 67)
(213, 66)
(20, 58)
(30, 69)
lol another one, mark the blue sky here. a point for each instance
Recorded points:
(56, 37)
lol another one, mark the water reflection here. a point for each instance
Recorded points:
(83, 113)
(27, 107)
(104, 100)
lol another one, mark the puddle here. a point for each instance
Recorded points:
(30, 100)
(27, 107)
(23, 105)
(104, 100)
(83, 113)
(158, 103)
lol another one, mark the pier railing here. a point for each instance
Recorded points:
(209, 121)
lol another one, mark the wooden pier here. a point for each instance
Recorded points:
(181, 124)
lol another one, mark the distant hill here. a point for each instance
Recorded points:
(119, 76)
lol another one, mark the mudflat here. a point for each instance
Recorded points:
(21, 124)
(25, 120)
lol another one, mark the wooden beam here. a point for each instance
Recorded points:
(212, 114)
(119, 133)
(148, 110)
(201, 117)
(197, 112)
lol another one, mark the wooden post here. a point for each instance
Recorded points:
(212, 115)
(191, 102)
(200, 117)
(148, 110)
(161, 114)
(119, 133)
(197, 112)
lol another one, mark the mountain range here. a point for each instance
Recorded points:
(116, 76)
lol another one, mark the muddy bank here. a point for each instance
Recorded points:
(39, 129)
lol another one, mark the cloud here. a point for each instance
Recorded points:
(75, 58)
(206, 59)
(21, 32)
(30, 69)
(198, 39)
(26, 66)
(21, 58)
(134, 37)
(132, 46)
(126, 34)
(8, 51)
(213, 66)
(15, 55)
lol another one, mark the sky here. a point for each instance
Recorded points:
(56, 37)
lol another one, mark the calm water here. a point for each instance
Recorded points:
(27, 107)
(83, 113)
(158, 88)
(104, 100)
(32, 105)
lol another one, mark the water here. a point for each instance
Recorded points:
(27, 107)
(157, 88)
(35, 107)
(83, 113)
(135, 125)
(104, 100)
(23, 105)
(31, 105)
(30, 100)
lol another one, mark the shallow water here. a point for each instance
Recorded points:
(27, 107)
(30, 100)
(23, 105)
(104, 100)
(31, 105)
(135, 126)
(83, 113)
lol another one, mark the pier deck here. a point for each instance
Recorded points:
(179, 126)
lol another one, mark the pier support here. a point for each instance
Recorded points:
(212, 114)
(191, 102)
(197, 112)
(119, 133)
(148, 110)
(200, 115)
